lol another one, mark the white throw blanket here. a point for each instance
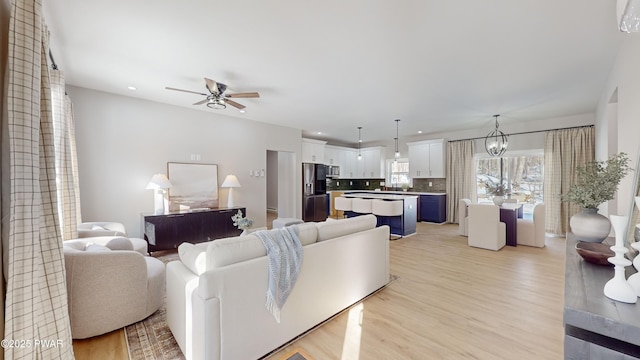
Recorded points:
(284, 253)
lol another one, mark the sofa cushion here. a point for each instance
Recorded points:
(232, 250)
(333, 229)
(96, 247)
(307, 233)
(193, 257)
(119, 243)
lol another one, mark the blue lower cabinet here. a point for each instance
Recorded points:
(433, 208)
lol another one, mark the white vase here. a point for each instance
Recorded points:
(618, 288)
(498, 200)
(589, 226)
(244, 232)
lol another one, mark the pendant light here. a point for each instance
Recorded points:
(359, 142)
(496, 142)
(397, 155)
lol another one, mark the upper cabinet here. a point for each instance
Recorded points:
(313, 151)
(427, 159)
(369, 166)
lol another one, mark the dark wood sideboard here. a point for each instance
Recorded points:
(167, 231)
(595, 326)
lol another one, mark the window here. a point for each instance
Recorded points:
(398, 172)
(522, 173)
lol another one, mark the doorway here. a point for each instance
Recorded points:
(281, 182)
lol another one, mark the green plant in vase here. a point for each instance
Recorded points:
(597, 182)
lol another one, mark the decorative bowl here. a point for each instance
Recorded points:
(595, 253)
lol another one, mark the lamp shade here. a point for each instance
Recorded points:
(159, 181)
(231, 181)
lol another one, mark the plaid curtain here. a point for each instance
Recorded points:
(66, 159)
(461, 176)
(36, 295)
(564, 151)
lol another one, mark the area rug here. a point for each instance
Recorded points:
(151, 339)
(296, 354)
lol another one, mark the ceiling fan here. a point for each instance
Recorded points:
(216, 98)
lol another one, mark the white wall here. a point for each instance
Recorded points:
(123, 141)
(625, 77)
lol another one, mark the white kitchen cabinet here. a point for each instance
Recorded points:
(370, 165)
(332, 155)
(427, 159)
(313, 151)
(349, 159)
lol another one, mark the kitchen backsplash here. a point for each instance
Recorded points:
(354, 184)
(438, 185)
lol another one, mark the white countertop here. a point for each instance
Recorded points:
(388, 192)
(381, 195)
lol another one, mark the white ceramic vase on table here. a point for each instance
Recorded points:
(498, 200)
(618, 288)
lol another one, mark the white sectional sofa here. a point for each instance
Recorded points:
(216, 292)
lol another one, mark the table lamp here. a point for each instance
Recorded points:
(231, 181)
(159, 184)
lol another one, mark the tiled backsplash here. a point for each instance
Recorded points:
(438, 185)
(354, 184)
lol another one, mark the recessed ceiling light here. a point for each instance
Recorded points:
(319, 132)
(419, 131)
(132, 88)
(242, 111)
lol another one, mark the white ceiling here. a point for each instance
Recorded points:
(331, 65)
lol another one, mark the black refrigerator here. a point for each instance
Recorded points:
(314, 192)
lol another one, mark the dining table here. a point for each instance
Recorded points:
(509, 214)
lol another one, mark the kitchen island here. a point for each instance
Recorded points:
(432, 206)
(403, 224)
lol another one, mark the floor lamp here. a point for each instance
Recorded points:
(231, 181)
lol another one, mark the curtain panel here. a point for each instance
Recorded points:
(461, 176)
(66, 164)
(564, 151)
(36, 294)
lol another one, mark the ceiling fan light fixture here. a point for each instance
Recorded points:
(217, 104)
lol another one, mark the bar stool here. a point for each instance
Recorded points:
(387, 208)
(389, 213)
(361, 206)
(343, 204)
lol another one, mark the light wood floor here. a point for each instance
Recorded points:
(450, 301)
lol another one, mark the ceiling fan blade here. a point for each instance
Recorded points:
(189, 91)
(234, 104)
(243, 95)
(201, 102)
(212, 86)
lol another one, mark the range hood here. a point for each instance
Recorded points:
(628, 12)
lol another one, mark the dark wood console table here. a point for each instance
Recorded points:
(595, 326)
(167, 231)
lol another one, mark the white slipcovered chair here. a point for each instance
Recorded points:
(110, 287)
(532, 232)
(485, 229)
(463, 216)
(101, 228)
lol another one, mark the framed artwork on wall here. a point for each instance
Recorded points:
(194, 186)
